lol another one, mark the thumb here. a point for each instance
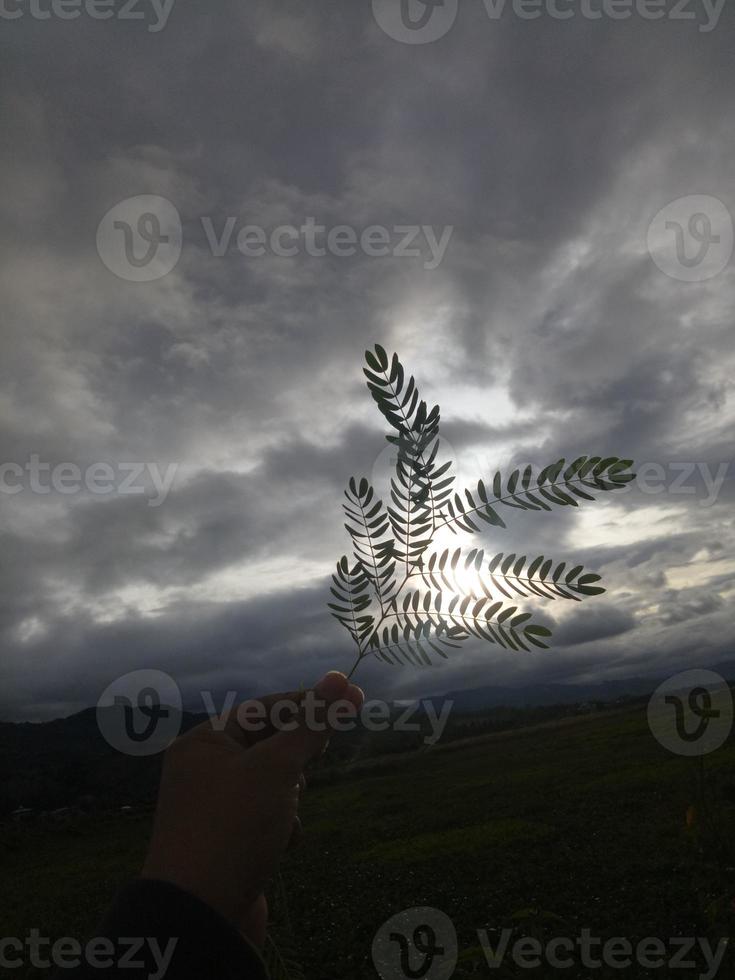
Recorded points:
(306, 736)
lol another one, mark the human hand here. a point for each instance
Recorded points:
(228, 802)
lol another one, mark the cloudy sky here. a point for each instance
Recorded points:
(545, 301)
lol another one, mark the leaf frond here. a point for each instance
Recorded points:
(431, 602)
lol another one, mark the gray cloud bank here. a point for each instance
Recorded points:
(546, 330)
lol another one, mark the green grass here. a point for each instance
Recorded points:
(585, 821)
(458, 840)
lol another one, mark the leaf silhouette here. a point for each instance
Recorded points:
(405, 604)
(374, 548)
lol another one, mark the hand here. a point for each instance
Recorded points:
(228, 802)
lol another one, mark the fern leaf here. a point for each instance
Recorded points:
(463, 617)
(374, 549)
(433, 605)
(414, 642)
(510, 577)
(422, 486)
(555, 485)
(350, 588)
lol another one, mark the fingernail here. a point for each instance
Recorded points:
(331, 685)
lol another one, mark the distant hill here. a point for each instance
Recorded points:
(67, 762)
(535, 695)
(60, 763)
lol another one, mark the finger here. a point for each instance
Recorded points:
(308, 734)
(253, 720)
(260, 718)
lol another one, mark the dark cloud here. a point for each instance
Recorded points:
(545, 331)
(591, 624)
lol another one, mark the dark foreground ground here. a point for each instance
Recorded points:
(583, 824)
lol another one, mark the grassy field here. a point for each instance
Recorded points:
(551, 830)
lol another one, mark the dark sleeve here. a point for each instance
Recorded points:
(160, 932)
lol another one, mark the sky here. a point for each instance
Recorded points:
(210, 211)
